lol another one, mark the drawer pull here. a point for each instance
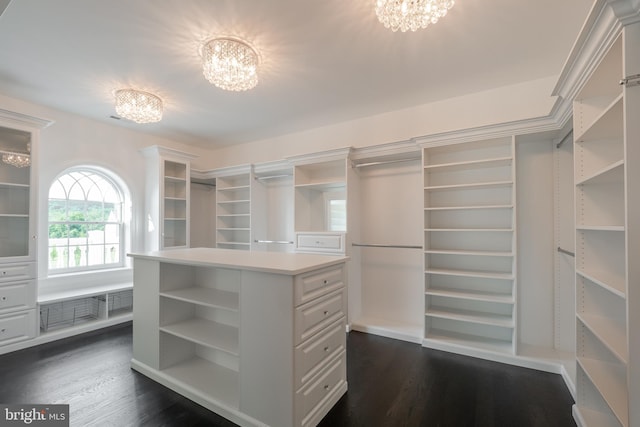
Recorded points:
(326, 281)
(326, 312)
(4, 272)
(3, 298)
(326, 387)
(2, 330)
(326, 349)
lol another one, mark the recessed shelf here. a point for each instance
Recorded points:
(468, 273)
(207, 333)
(471, 164)
(438, 336)
(610, 380)
(215, 298)
(472, 295)
(607, 280)
(470, 207)
(471, 186)
(492, 319)
(612, 173)
(608, 332)
(467, 252)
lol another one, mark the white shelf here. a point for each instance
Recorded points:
(610, 380)
(595, 418)
(14, 185)
(233, 229)
(232, 202)
(473, 296)
(438, 336)
(206, 333)
(231, 189)
(608, 332)
(176, 179)
(610, 282)
(492, 319)
(469, 207)
(612, 173)
(239, 215)
(471, 164)
(198, 374)
(471, 253)
(468, 273)
(205, 296)
(600, 227)
(606, 125)
(507, 230)
(480, 185)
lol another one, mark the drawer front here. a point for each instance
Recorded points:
(17, 327)
(317, 283)
(14, 272)
(311, 399)
(18, 296)
(332, 243)
(314, 354)
(311, 318)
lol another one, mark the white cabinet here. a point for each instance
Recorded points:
(233, 208)
(470, 246)
(257, 337)
(167, 198)
(606, 161)
(18, 318)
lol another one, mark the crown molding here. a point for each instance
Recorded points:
(273, 168)
(24, 119)
(227, 171)
(401, 150)
(322, 156)
(627, 11)
(156, 150)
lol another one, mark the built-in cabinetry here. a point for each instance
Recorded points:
(167, 198)
(258, 337)
(18, 272)
(233, 207)
(470, 246)
(606, 160)
(321, 186)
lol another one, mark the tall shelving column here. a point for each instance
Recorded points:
(470, 247)
(233, 207)
(603, 198)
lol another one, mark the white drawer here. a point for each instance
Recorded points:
(311, 318)
(17, 327)
(314, 354)
(17, 296)
(13, 272)
(311, 400)
(320, 242)
(317, 283)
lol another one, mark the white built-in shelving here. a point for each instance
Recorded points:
(470, 246)
(603, 162)
(233, 208)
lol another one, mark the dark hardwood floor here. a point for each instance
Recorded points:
(391, 383)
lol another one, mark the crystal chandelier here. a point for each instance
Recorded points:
(230, 64)
(17, 160)
(411, 15)
(138, 106)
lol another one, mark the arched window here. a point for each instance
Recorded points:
(86, 227)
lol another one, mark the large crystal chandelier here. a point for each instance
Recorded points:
(411, 15)
(230, 64)
(17, 160)
(138, 106)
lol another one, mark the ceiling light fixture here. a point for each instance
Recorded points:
(230, 64)
(17, 160)
(138, 106)
(411, 15)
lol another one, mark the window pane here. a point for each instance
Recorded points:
(76, 210)
(95, 255)
(112, 254)
(337, 215)
(76, 192)
(57, 191)
(112, 233)
(94, 212)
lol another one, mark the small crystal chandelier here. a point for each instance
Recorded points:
(230, 64)
(17, 160)
(411, 15)
(138, 106)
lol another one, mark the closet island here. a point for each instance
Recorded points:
(257, 337)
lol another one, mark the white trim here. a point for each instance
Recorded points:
(24, 119)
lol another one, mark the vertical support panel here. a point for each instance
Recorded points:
(146, 308)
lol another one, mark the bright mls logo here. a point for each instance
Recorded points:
(34, 415)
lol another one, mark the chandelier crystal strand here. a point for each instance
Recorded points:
(411, 15)
(138, 106)
(230, 64)
(17, 160)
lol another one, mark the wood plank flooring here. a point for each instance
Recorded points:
(391, 383)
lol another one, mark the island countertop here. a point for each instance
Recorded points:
(268, 262)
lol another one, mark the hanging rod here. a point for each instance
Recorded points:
(360, 165)
(564, 251)
(386, 246)
(259, 178)
(280, 242)
(562, 141)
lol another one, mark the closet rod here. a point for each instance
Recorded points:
(259, 178)
(360, 165)
(281, 242)
(564, 251)
(386, 246)
(562, 141)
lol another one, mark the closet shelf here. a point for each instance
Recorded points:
(469, 273)
(507, 230)
(470, 186)
(232, 202)
(607, 125)
(610, 380)
(321, 186)
(472, 295)
(168, 178)
(175, 199)
(205, 296)
(232, 189)
(471, 164)
(606, 280)
(207, 333)
(176, 219)
(493, 319)
(238, 215)
(610, 174)
(468, 207)
(198, 374)
(438, 336)
(14, 215)
(233, 229)
(595, 418)
(600, 227)
(14, 185)
(467, 252)
(608, 332)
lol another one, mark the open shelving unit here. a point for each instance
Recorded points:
(470, 246)
(233, 209)
(602, 201)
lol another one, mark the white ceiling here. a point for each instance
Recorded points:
(323, 61)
